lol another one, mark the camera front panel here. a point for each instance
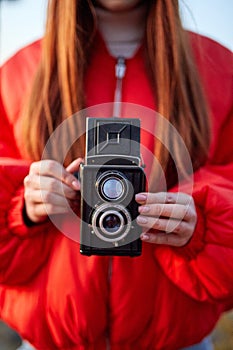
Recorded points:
(109, 209)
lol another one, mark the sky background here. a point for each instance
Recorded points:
(22, 21)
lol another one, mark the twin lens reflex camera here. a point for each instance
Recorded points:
(110, 177)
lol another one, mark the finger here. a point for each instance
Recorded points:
(45, 197)
(179, 227)
(54, 169)
(43, 210)
(163, 197)
(74, 166)
(175, 211)
(50, 184)
(164, 238)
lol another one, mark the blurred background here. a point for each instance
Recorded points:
(22, 21)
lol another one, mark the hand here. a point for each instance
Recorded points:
(48, 187)
(167, 218)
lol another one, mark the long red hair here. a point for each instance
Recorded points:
(58, 93)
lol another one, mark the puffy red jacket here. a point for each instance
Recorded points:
(166, 299)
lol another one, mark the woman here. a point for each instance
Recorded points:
(173, 294)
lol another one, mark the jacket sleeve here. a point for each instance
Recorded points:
(204, 267)
(23, 249)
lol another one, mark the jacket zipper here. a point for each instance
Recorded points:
(120, 70)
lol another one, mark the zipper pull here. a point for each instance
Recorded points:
(120, 70)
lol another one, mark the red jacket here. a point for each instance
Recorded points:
(166, 299)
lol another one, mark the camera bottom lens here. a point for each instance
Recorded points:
(111, 223)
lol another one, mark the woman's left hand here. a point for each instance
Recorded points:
(166, 217)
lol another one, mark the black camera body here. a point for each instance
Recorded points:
(110, 178)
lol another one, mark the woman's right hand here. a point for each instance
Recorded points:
(48, 187)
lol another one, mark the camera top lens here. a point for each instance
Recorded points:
(112, 186)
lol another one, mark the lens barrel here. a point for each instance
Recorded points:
(112, 186)
(111, 223)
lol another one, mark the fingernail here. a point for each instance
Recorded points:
(140, 197)
(76, 185)
(142, 220)
(144, 237)
(143, 209)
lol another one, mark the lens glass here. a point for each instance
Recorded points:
(113, 188)
(111, 223)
